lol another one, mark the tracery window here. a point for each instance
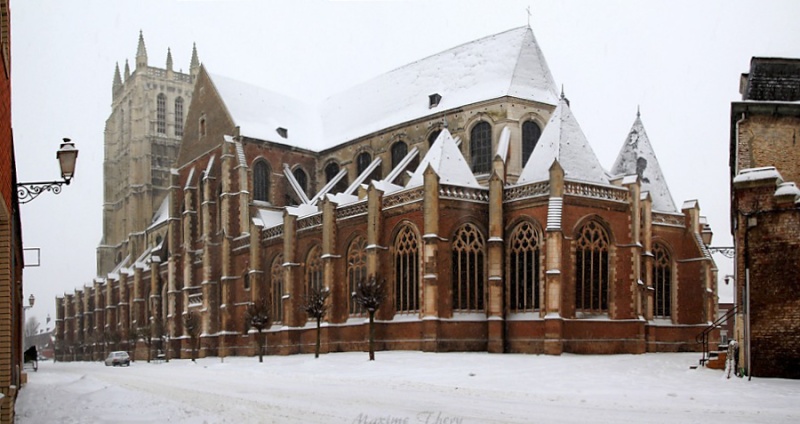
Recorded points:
(276, 289)
(179, 117)
(362, 162)
(662, 282)
(468, 269)
(399, 151)
(261, 181)
(523, 268)
(356, 271)
(591, 269)
(314, 270)
(480, 147)
(406, 270)
(161, 113)
(530, 136)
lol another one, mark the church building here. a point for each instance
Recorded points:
(469, 190)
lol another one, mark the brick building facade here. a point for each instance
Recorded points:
(481, 205)
(11, 263)
(765, 211)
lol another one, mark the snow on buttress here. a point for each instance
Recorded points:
(637, 157)
(563, 140)
(447, 161)
(506, 64)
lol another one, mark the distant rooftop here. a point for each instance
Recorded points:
(772, 79)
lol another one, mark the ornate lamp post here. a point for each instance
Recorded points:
(67, 155)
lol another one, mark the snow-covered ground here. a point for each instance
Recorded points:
(406, 387)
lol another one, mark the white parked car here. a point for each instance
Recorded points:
(118, 358)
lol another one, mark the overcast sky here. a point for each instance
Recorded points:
(680, 61)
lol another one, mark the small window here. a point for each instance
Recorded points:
(433, 100)
(246, 280)
(202, 126)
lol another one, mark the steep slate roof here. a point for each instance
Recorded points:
(506, 64)
(637, 157)
(563, 140)
(447, 161)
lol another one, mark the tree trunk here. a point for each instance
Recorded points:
(260, 346)
(371, 335)
(316, 350)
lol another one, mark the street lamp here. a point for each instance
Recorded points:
(31, 300)
(67, 155)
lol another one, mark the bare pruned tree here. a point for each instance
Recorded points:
(192, 325)
(257, 316)
(370, 294)
(315, 306)
(31, 326)
(145, 333)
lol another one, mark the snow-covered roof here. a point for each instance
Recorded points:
(563, 140)
(259, 113)
(637, 157)
(757, 174)
(787, 189)
(162, 214)
(447, 161)
(506, 64)
(268, 218)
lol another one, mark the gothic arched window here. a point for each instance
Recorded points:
(362, 162)
(399, 152)
(591, 269)
(356, 271)
(261, 181)
(468, 269)
(331, 170)
(314, 270)
(524, 248)
(161, 113)
(530, 136)
(276, 289)
(179, 117)
(480, 147)
(406, 270)
(302, 179)
(662, 282)
(433, 136)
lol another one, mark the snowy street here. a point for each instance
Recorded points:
(405, 387)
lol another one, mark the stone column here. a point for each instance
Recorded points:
(430, 256)
(496, 299)
(292, 284)
(554, 322)
(336, 299)
(123, 317)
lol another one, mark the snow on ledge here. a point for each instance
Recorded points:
(757, 174)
